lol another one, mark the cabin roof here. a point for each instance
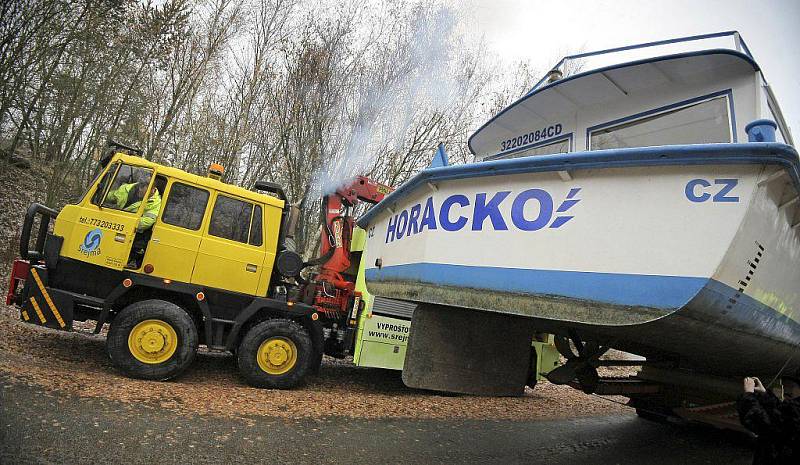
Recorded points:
(546, 103)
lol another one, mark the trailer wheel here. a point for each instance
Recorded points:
(275, 354)
(152, 339)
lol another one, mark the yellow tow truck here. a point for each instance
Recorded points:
(173, 260)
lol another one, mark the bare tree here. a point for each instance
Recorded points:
(303, 93)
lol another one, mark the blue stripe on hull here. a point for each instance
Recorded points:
(654, 291)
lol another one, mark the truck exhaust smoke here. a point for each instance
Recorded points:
(390, 99)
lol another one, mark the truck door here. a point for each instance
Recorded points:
(105, 226)
(173, 246)
(230, 257)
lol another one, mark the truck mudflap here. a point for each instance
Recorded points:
(43, 306)
(468, 351)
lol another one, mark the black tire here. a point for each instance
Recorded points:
(185, 348)
(271, 330)
(533, 369)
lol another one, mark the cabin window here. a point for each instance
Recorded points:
(561, 146)
(705, 122)
(256, 236)
(231, 219)
(185, 206)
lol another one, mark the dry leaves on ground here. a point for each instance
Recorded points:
(76, 364)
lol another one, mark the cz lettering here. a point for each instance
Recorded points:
(701, 190)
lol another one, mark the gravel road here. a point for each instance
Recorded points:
(43, 427)
(62, 402)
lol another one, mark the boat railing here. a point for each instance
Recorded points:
(587, 61)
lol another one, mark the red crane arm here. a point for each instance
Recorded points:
(338, 227)
(334, 291)
(362, 189)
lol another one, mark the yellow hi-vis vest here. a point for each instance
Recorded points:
(151, 207)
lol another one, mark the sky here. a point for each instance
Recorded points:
(544, 31)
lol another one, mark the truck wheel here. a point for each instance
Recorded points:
(275, 354)
(152, 339)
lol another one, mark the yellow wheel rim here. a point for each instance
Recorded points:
(152, 341)
(277, 355)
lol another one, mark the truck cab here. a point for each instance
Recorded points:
(171, 260)
(206, 232)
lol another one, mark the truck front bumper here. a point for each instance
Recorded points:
(38, 304)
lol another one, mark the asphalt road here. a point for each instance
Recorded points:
(42, 427)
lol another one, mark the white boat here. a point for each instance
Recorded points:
(649, 205)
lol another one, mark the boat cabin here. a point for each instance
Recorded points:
(697, 90)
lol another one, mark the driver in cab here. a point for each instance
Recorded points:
(128, 197)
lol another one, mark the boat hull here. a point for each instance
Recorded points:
(684, 252)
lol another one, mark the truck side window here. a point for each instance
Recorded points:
(255, 228)
(231, 219)
(185, 206)
(128, 188)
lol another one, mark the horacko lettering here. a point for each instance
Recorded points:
(458, 211)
